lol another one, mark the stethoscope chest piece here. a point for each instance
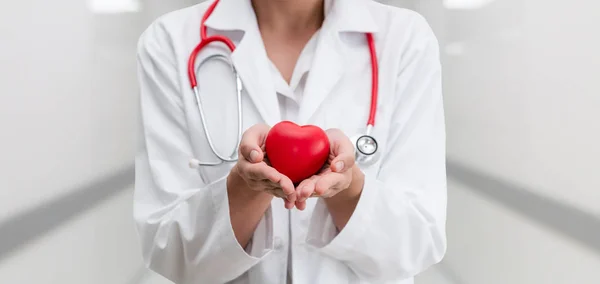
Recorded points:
(365, 149)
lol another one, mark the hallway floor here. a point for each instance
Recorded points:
(432, 276)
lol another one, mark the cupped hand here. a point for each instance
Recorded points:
(335, 176)
(254, 170)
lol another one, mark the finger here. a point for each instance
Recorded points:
(305, 190)
(310, 187)
(342, 150)
(302, 189)
(288, 204)
(314, 180)
(301, 205)
(287, 186)
(275, 190)
(325, 186)
(252, 141)
(259, 172)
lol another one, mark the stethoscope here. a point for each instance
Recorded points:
(365, 145)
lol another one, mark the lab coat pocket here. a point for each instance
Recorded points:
(210, 167)
(210, 174)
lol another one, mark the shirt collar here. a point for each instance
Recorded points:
(301, 69)
(346, 16)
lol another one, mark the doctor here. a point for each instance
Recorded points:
(306, 61)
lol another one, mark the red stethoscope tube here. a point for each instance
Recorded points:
(205, 40)
(374, 79)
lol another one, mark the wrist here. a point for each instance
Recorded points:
(355, 188)
(246, 207)
(358, 181)
(342, 205)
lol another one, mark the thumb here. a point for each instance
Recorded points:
(342, 150)
(252, 141)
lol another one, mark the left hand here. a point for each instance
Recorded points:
(335, 176)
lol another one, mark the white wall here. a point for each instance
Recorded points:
(67, 113)
(522, 99)
(523, 94)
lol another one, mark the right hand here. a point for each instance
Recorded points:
(252, 167)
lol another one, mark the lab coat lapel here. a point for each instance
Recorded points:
(249, 57)
(252, 64)
(329, 63)
(327, 69)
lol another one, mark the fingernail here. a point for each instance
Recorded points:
(254, 156)
(339, 166)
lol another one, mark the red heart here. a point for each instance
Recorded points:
(297, 151)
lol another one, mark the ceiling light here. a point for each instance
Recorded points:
(114, 6)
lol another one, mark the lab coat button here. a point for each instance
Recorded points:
(278, 244)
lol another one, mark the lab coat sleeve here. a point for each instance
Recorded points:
(398, 227)
(183, 223)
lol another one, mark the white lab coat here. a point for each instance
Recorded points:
(182, 215)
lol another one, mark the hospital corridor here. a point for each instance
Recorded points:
(521, 91)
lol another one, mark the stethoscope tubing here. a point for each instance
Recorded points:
(374, 82)
(205, 40)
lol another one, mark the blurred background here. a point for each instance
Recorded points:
(522, 95)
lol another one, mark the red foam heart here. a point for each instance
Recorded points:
(297, 151)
